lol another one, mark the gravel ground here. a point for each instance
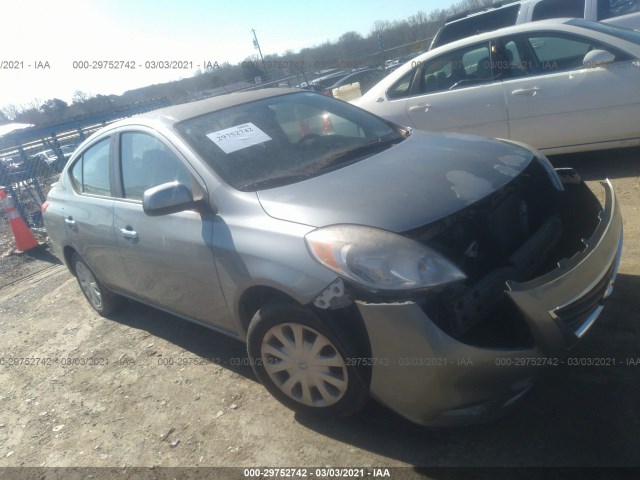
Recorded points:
(146, 389)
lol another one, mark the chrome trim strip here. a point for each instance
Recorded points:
(589, 321)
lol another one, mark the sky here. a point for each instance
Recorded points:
(55, 34)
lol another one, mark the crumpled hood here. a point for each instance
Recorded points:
(424, 178)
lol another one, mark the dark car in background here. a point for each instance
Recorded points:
(320, 83)
(620, 13)
(436, 273)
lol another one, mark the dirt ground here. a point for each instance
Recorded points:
(146, 389)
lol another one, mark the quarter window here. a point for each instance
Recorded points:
(401, 88)
(146, 162)
(90, 173)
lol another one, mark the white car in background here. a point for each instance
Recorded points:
(562, 86)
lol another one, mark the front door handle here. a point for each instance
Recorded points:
(420, 108)
(526, 91)
(70, 221)
(129, 233)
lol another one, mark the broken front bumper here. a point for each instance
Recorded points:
(433, 379)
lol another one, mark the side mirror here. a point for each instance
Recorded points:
(167, 198)
(597, 58)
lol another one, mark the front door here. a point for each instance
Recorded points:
(557, 102)
(168, 259)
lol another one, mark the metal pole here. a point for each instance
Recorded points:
(256, 43)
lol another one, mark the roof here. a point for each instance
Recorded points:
(185, 111)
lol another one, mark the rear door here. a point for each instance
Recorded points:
(555, 102)
(166, 260)
(459, 91)
(88, 210)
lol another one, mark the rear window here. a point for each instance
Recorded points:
(615, 8)
(484, 22)
(623, 33)
(558, 9)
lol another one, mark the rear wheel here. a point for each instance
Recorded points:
(101, 299)
(303, 363)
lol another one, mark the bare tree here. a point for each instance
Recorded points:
(10, 111)
(80, 97)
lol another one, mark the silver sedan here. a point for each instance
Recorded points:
(438, 274)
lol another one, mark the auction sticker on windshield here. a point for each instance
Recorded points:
(238, 137)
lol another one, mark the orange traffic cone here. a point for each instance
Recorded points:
(24, 238)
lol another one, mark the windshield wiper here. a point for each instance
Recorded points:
(328, 162)
(274, 181)
(357, 152)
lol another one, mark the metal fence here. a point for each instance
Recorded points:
(27, 176)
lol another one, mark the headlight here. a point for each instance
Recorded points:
(380, 260)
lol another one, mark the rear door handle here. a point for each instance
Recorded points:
(420, 108)
(526, 91)
(70, 222)
(129, 233)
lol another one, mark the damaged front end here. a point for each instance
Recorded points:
(539, 262)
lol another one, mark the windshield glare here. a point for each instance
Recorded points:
(623, 33)
(284, 139)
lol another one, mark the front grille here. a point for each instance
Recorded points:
(576, 313)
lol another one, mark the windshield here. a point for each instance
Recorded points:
(623, 33)
(284, 139)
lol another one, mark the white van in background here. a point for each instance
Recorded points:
(621, 13)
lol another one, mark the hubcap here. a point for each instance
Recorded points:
(304, 364)
(89, 285)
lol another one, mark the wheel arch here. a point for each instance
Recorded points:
(255, 297)
(68, 252)
(346, 321)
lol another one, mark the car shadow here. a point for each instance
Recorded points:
(577, 415)
(201, 341)
(601, 164)
(43, 253)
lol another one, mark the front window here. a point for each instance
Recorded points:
(284, 139)
(562, 53)
(147, 162)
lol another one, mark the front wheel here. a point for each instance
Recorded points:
(101, 299)
(303, 363)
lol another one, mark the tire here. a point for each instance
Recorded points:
(99, 297)
(320, 385)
